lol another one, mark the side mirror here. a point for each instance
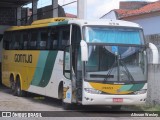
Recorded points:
(154, 53)
(84, 51)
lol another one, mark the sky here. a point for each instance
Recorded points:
(95, 8)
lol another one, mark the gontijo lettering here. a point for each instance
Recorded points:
(23, 58)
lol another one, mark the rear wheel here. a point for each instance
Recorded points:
(18, 91)
(12, 85)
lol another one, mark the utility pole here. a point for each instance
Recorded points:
(81, 8)
(55, 8)
(34, 9)
(19, 15)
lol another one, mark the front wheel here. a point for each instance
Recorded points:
(67, 106)
(116, 107)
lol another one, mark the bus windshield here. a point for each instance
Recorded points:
(114, 35)
(116, 64)
(115, 55)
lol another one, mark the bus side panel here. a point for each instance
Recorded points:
(56, 77)
(43, 74)
(21, 63)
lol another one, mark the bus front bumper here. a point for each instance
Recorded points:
(101, 99)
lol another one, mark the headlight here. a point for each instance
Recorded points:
(92, 91)
(141, 91)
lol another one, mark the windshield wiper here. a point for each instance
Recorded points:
(128, 73)
(109, 72)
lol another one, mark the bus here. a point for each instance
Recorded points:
(88, 62)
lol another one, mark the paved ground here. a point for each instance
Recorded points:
(38, 103)
(31, 102)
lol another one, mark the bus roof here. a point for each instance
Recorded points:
(80, 22)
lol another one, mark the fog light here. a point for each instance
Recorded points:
(140, 91)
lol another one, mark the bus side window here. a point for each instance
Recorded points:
(17, 37)
(11, 44)
(20, 41)
(33, 40)
(25, 39)
(43, 40)
(65, 39)
(6, 39)
(54, 39)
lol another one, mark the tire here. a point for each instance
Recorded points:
(18, 91)
(12, 85)
(67, 106)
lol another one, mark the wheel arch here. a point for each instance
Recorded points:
(60, 90)
(12, 75)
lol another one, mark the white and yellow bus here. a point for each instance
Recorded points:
(99, 62)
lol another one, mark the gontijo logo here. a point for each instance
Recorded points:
(23, 58)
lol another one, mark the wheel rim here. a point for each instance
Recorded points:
(18, 89)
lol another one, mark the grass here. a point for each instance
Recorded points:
(151, 108)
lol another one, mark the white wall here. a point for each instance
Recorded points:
(110, 15)
(150, 25)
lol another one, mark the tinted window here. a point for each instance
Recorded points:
(16, 40)
(6, 39)
(33, 40)
(43, 40)
(25, 38)
(54, 38)
(65, 38)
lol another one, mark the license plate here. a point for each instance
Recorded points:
(117, 100)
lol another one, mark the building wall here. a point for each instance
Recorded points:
(151, 29)
(110, 15)
(47, 12)
(150, 25)
(7, 16)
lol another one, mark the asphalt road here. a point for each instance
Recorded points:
(50, 107)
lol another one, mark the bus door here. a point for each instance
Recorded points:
(67, 71)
